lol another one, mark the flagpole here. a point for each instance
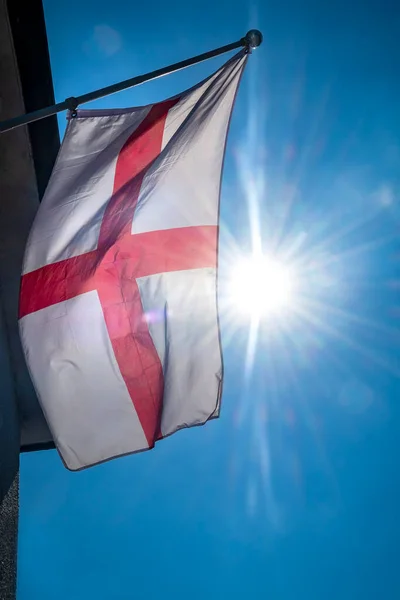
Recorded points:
(252, 40)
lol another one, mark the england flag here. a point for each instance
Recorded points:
(118, 306)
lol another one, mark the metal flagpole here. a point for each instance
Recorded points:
(252, 39)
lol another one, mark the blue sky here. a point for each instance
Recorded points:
(294, 492)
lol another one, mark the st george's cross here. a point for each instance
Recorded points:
(118, 308)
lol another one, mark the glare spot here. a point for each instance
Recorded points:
(385, 196)
(356, 396)
(105, 40)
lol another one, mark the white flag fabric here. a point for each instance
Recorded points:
(118, 308)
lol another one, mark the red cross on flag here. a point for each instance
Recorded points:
(118, 308)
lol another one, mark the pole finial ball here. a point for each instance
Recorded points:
(254, 38)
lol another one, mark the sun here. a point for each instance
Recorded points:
(261, 286)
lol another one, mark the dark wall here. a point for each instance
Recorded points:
(26, 160)
(31, 50)
(28, 32)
